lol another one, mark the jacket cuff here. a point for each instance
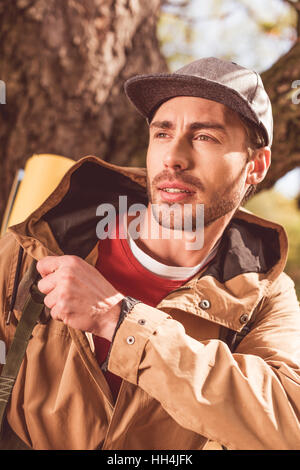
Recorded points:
(131, 338)
(126, 306)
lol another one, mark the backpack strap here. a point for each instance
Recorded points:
(9, 439)
(31, 311)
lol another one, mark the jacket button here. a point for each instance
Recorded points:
(130, 339)
(205, 304)
(243, 318)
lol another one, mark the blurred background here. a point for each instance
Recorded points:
(64, 65)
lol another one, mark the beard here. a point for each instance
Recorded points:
(173, 216)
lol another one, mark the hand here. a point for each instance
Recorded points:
(78, 295)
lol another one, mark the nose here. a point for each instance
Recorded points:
(177, 155)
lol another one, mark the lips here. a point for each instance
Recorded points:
(175, 191)
(175, 187)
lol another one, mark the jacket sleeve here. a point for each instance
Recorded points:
(249, 399)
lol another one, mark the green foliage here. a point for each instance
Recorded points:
(273, 206)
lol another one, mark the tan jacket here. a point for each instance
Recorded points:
(182, 384)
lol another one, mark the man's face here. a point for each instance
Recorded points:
(196, 155)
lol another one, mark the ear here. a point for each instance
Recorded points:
(259, 165)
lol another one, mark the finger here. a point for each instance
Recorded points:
(51, 299)
(57, 313)
(48, 265)
(48, 283)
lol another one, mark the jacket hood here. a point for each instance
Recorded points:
(251, 247)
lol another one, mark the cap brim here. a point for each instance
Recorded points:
(148, 92)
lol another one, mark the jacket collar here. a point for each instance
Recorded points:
(251, 255)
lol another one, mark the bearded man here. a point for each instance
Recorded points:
(166, 341)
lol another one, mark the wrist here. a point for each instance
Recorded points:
(106, 329)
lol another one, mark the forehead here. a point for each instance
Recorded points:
(191, 108)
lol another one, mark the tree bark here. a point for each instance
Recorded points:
(278, 82)
(64, 64)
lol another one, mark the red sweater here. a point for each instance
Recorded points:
(118, 265)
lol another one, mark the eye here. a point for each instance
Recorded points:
(161, 135)
(205, 138)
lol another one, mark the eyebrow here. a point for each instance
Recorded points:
(194, 126)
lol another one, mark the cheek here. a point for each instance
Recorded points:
(154, 164)
(225, 169)
(222, 178)
(149, 160)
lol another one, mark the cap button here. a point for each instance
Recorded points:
(205, 304)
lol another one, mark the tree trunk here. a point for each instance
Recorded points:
(64, 64)
(278, 82)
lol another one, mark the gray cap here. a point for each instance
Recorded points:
(214, 79)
